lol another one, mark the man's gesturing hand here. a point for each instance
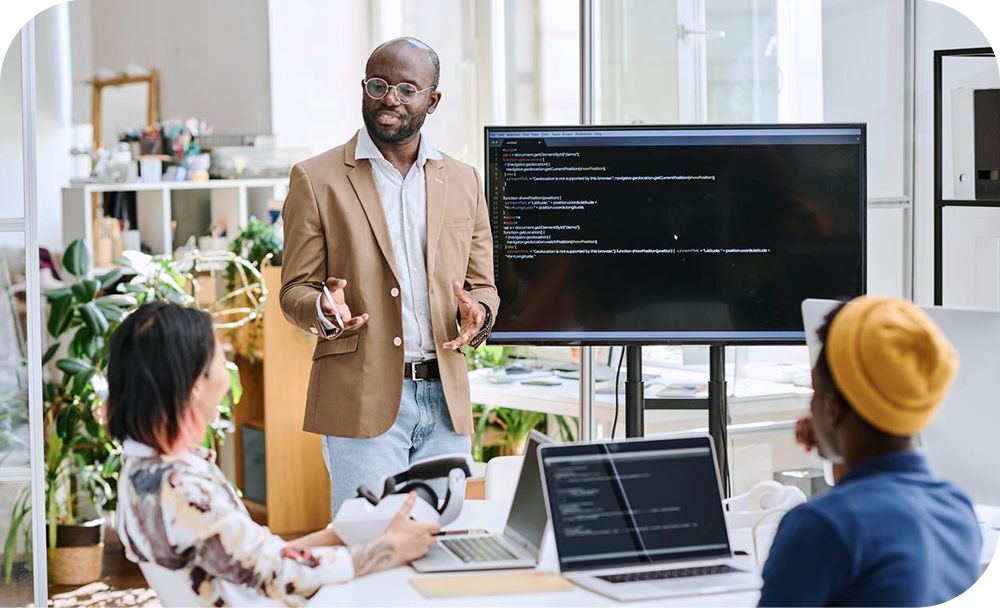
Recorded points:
(339, 305)
(472, 315)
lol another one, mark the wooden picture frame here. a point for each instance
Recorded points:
(152, 102)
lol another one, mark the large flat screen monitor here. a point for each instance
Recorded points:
(673, 234)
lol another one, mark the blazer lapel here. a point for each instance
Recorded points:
(361, 179)
(437, 201)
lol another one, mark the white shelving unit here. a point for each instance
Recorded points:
(232, 203)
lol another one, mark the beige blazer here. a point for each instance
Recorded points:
(335, 226)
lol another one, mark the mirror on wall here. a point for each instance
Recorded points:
(123, 102)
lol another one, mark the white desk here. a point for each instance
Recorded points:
(750, 400)
(393, 588)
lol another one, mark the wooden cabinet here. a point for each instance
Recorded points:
(296, 496)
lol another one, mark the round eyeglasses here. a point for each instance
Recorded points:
(405, 93)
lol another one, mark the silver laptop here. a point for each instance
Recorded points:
(641, 518)
(517, 547)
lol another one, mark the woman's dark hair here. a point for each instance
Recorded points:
(157, 354)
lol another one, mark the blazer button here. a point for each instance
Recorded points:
(394, 292)
(397, 341)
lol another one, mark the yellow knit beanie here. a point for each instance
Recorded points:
(891, 362)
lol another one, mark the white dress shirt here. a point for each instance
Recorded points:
(405, 203)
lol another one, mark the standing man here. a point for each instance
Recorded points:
(389, 260)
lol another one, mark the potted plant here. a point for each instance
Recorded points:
(259, 243)
(501, 431)
(81, 461)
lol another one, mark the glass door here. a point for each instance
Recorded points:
(22, 570)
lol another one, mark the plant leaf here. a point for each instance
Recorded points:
(111, 312)
(49, 353)
(60, 313)
(85, 290)
(118, 299)
(73, 366)
(94, 319)
(111, 277)
(235, 386)
(52, 294)
(76, 260)
(84, 344)
(81, 382)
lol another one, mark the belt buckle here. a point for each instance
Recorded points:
(413, 372)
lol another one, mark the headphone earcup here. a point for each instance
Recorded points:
(422, 490)
(763, 493)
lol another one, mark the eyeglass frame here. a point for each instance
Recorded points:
(394, 89)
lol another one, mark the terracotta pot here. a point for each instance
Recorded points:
(79, 554)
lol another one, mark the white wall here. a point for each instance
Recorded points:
(318, 51)
(937, 27)
(52, 84)
(864, 81)
(11, 165)
(637, 62)
(212, 56)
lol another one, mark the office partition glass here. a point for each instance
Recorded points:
(11, 163)
(20, 442)
(15, 436)
(502, 62)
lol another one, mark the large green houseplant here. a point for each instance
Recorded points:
(501, 431)
(82, 462)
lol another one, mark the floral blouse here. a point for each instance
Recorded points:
(180, 513)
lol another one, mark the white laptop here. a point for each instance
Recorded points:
(517, 547)
(641, 518)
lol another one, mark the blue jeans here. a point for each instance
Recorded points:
(422, 430)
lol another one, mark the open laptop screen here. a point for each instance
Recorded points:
(527, 513)
(634, 502)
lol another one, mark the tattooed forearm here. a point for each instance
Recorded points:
(372, 557)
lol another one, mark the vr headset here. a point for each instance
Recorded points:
(365, 518)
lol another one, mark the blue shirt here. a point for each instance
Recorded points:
(888, 534)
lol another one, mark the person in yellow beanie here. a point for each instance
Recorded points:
(889, 533)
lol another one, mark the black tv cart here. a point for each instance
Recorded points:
(636, 404)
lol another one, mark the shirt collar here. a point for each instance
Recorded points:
(366, 149)
(904, 461)
(197, 454)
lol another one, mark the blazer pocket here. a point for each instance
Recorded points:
(459, 224)
(347, 344)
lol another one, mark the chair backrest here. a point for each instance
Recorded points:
(502, 473)
(173, 589)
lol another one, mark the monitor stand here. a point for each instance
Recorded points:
(718, 409)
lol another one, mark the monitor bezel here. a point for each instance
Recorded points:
(736, 338)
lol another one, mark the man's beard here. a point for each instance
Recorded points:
(409, 125)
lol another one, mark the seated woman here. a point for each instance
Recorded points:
(166, 377)
(889, 533)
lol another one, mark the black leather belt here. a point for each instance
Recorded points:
(422, 370)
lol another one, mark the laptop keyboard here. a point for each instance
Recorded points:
(477, 549)
(658, 575)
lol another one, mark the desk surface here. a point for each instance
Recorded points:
(393, 588)
(564, 398)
